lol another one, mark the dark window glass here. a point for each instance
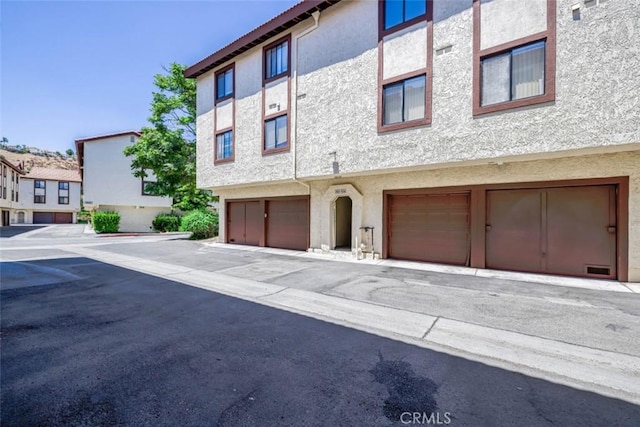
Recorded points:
(40, 184)
(404, 101)
(63, 200)
(224, 145)
(276, 60)
(224, 84)
(63, 186)
(275, 133)
(38, 199)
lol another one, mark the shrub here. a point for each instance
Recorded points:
(105, 222)
(166, 222)
(201, 224)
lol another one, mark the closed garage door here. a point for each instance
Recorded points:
(43, 217)
(288, 223)
(244, 223)
(570, 230)
(63, 217)
(429, 227)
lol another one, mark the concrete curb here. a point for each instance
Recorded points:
(574, 282)
(608, 373)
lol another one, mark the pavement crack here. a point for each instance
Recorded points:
(273, 293)
(431, 327)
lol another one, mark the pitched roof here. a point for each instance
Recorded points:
(11, 165)
(54, 174)
(108, 135)
(269, 29)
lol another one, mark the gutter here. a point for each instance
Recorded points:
(316, 24)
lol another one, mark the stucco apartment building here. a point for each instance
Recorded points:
(494, 134)
(49, 196)
(9, 191)
(109, 184)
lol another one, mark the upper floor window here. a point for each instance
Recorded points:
(404, 101)
(224, 84)
(63, 193)
(276, 134)
(514, 74)
(276, 60)
(146, 191)
(397, 12)
(39, 195)
(224, 146)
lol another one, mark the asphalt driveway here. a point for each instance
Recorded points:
(86, 343)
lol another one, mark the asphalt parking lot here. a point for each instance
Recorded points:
(87, 343)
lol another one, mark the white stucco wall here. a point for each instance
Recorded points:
(405, 51)
(108, 179)
(27, 196)
(134, 219)
(275, 96)
(502, 21)
(224, 115)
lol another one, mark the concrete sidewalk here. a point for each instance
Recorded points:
(413, 311)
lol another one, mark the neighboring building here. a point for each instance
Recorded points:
(9, 191)
(49, 196)
(109, 184)
(494, 134)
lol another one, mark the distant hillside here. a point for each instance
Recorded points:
(47, 160)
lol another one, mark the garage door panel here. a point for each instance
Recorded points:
(579, 234)
(564, 230)
(288, 224)
(43, 217)
(430, 227)
(513, 230)
(253, 224)
(63, 217)
(236, 222)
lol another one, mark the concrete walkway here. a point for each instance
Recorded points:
(609, 365)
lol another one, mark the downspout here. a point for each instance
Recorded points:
(316, 18)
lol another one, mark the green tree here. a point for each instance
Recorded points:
(168, 146)
(69, 152)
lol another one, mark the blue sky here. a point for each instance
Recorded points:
(72, 69)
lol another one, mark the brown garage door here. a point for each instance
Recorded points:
(429, 227)
(288, 224)
(63, 217)
(570, 230)
(244, 223)
(43, 217)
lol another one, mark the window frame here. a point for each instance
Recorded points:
(231, 158)
(382, 31)
(232, 68)
(60, 188)
(270, 46)
(426, 120)
(548, 36)
(36, 187)
(142, 185)
(277, 149)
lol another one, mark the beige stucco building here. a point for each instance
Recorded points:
(109, 184)
(49, 196)
(493, 134)
(10, 175)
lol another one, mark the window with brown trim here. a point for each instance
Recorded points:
(276, 134)
(225, 83)
(63, 193)
(224, 146)
(276, 59)
(396, 15)
(404, 101)
(39, 191)
(517, 73)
